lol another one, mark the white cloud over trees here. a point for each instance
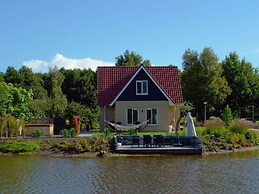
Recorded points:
(68, 63)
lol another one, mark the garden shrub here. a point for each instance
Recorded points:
(237, 140)
(107, 132)
(37, 133)
(217, 131)
(20, 147)
(86, 145)
(72, 132)
(65, 133)
(131, 131)
(238, 129)
(78, 148)
(226, 116)
(253, 137)
(64, 146)
(213, 118)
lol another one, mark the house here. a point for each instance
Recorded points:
(127, 95)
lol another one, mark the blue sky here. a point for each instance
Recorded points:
(86, 33)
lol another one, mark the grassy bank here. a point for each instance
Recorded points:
(214, 139)
(55, 145)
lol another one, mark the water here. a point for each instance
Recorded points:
(223, 173)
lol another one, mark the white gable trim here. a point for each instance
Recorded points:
(142, 67)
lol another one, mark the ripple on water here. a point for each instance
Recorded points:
(234, 173)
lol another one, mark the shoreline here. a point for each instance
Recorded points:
(242, 149)
(49, 147)
(109, 154)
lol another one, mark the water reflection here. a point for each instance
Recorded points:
(223, 173)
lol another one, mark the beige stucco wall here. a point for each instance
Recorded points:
(166, 113)
(106, 113)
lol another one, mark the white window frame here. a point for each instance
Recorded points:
(142, 88)
(131, 115)
(150, 123)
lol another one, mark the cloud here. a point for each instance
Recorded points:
(68, 63)
(255, 51)
(37, 65)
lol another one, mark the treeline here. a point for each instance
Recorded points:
(58, 93)
(231, 82)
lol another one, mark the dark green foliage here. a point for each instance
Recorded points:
(218, 137)
(131, 59)
(72, 132)
(19, 147)
(14, 101)
(58, 100)
(244, 83)
(253, 136)
(84, 145)
(131, 131)
(12, 76)
(202, 81)
(37, 133)
(65, 133)
(217, 131)
(107, 132)
(238, 129)
(88, 117)
(80, 86)
(226, 116)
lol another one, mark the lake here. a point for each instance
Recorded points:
(222, 173)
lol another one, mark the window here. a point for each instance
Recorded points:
(141, 87)
(132, 116)
(152, 116)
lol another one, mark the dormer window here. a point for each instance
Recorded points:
(141, 87)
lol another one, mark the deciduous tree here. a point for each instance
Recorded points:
(202, 81)
(131, 59)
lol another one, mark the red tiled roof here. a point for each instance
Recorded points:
(111, 80)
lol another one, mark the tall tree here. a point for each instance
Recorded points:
(80, 86)
(202, 81)
(57, 98)
(1, 77)
(15, 101)
(33, 81)
(13, 76)
(244, 83)
(131, 59)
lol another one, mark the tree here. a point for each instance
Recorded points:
(14, 101)
(40, 108)
(80, 86)
(244, 82)
(33, 81)
(131, 59)
(58, 100)
(1, 77)
(226, 116)
(202, 81)
(12, 76)
(5, 98)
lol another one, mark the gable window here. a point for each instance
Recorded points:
(141, 87)
(132, 116)
(152, 116)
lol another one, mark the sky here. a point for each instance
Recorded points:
(90, 33)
